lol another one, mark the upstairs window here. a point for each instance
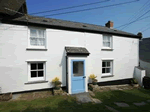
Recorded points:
(107, 41)
(37, 38)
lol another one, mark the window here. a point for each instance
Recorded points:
(107, 68)
(37, 38)
(107, 41)
(36, 71)
(78, 68)
(75, 67)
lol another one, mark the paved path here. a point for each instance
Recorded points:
(121, 104)
(85, 98)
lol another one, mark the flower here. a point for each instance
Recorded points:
(92, 76)
(55, 79)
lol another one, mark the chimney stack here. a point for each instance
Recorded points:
(109, 24)
(140, 34)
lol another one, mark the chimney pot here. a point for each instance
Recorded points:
(109, 24)
(139, 34)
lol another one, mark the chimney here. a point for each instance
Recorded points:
(140, 34)
(109, 24)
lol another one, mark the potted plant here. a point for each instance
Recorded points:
(56, 83)
(93, 78)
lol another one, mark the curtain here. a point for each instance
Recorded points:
(37, 37)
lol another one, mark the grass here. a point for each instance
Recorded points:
(67, 104)
(126, 96)
(50, 104)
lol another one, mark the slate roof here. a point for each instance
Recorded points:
(70, 25)
(10, 4)
(144, 49)
(76, 50)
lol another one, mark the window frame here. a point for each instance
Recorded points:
(111, 68)
(29, 33)
(111, 42)
(36, 78)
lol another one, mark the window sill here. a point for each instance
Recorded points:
(107, 49)
(36, 82)
(107, 76)
(40, 49)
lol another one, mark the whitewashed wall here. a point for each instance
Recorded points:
(13, 56)
(146, 66)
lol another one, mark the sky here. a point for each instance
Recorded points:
(120, 14)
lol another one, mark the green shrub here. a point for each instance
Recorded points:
(90, 88)
(146, 82)
(133, 81)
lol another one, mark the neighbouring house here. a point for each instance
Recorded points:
(35, 50)
(12, 8)
(144, 54)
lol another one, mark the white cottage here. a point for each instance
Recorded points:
(34, 50)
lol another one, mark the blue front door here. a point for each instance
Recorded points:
(78, 76)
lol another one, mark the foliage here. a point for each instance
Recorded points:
(56, 82)
(90, 88)
(146, 82)
(55, 79)
(133, 81)
(93, 78)
(69, 104)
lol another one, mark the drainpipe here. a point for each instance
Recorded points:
(67, 73)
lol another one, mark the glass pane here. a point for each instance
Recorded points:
(40, 65)
(33, 41)
(33, 66)
(108, 64)
(107, 70)
(78, 68)
(33, 33)
(40, 41)
(105, 38)
(41, 33)
(103, 70)
(40, 73)
(104, 44)
(108, 39)
(107, 44)
(103, 64)
(33, 73)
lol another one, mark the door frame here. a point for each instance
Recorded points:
(77, 60)
(70, 58)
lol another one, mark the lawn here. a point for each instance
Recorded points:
(126, 96)
(50, 104)
(68, 104)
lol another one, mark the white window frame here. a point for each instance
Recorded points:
(36, 47)
(36, 78)
(111, 68)
(111, 42)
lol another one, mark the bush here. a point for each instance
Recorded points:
(146, 82)
(93, 78)
(90, 88)
(133, 81)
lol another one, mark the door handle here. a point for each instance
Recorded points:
(84, 77)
